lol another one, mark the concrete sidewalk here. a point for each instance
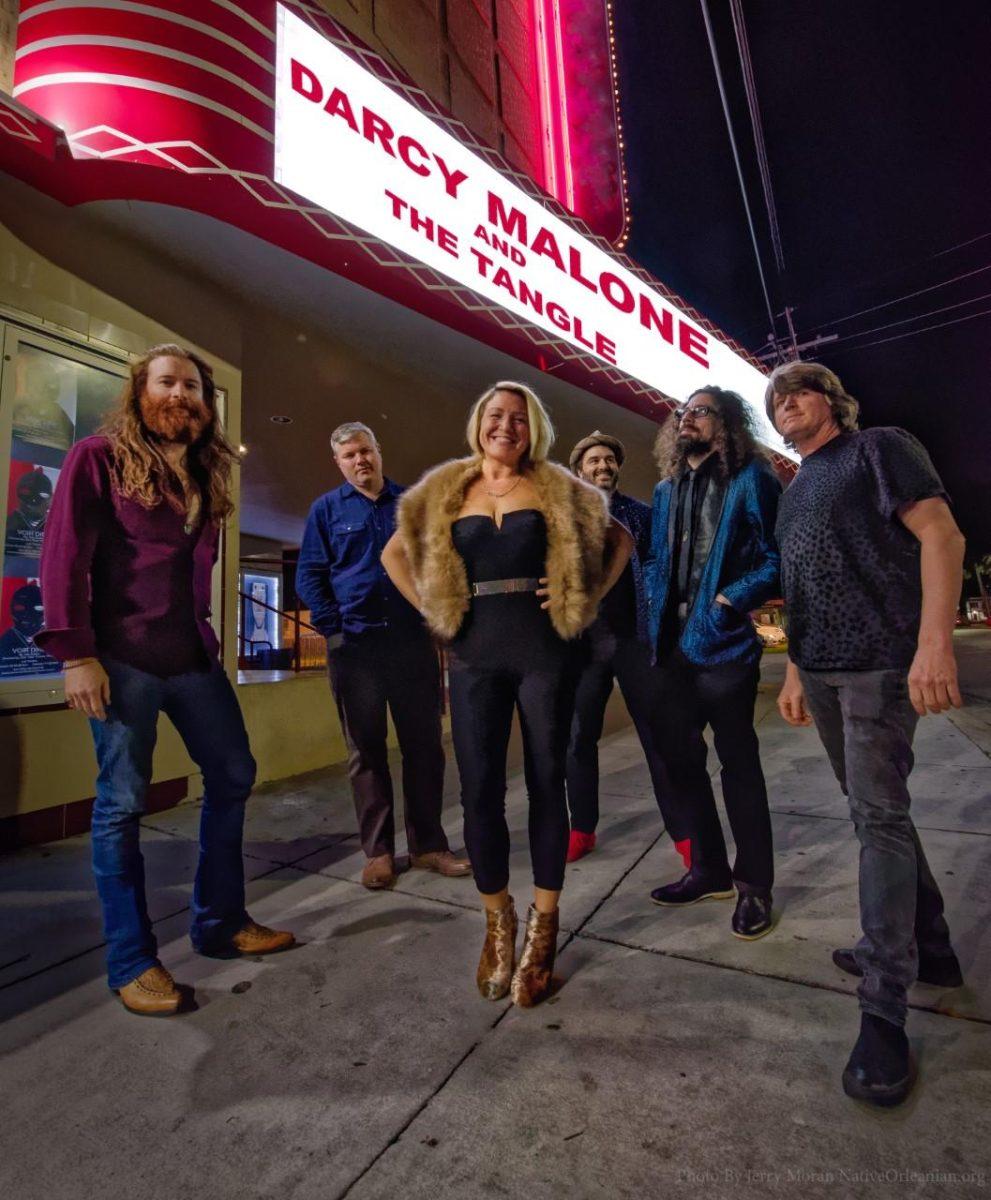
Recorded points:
(673, 1060)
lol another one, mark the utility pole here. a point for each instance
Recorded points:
(792, 351)
(791, 332)
(777, 354)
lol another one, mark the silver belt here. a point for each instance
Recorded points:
(496, 587)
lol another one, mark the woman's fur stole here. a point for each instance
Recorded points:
(576, 516)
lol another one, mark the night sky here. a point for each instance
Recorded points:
(876, 118)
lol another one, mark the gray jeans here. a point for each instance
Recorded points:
(866, 723)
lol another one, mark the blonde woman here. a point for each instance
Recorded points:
(507, 556)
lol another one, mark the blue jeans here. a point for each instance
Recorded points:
(203, 708)
(866, 724)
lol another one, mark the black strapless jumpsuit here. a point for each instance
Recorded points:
(507, 656)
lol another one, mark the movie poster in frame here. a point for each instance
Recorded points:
(52, 394)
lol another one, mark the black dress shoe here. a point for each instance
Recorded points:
(880, 1070)
(752, 918)
(690, 889)
(943, 971)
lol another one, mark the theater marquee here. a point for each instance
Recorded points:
(349, 143)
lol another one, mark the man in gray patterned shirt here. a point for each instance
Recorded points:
(871, 561)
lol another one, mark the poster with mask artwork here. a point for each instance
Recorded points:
(55, 400)
(259, 623)
(21, 618)
(29, 497)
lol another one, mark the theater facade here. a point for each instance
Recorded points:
(284, 187)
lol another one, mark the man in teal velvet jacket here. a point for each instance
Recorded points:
(713, 559)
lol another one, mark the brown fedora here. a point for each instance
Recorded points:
(598, 438)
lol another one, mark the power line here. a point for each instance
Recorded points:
(736, 160)
(898, 299)
(934, 312)
(960, 245)
(876, 279)
(750, 87)
(915, 332)
(901, 270)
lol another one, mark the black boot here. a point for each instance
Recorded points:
(880, 1070)
(942, 971)
(692, 888)
(752, 918)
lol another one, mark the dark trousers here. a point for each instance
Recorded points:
(866, 724)
(203, 708)
(688, 698)
(482, 704)
(398, 673)
(605, 657)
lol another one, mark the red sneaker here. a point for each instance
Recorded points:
(579, 844)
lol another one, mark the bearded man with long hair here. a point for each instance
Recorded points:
(129, 550)
(713, 559)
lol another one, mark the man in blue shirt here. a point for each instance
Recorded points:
(380, 657)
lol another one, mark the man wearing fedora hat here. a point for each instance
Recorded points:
(613, 648)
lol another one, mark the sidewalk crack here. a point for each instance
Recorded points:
(809, 983)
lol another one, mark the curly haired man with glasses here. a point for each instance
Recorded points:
(713, 559)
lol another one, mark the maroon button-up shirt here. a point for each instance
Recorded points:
(122, 580)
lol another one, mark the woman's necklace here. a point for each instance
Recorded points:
(499, 495)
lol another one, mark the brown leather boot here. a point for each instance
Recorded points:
(532, 979)
(495, 967)
(259, 939)
(441, 861)
(379, 873)
(152, 994)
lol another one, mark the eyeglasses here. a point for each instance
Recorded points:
(699, 410)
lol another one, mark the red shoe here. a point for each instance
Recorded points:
(684, 848)
(579, 844)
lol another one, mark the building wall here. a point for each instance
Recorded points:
(8, 41)
(474, 57)
(293, 726)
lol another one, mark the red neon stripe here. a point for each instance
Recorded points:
(561, 137)
(544, 84)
